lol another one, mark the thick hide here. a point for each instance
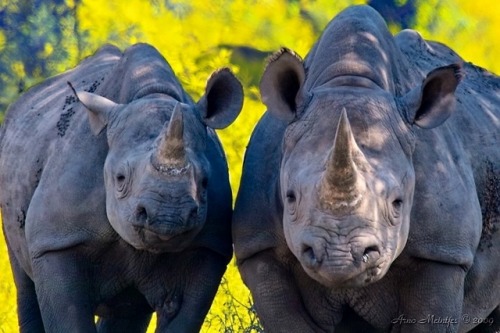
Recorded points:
(115, 195)
(369, 199)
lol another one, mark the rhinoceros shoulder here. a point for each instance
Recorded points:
(258, 209)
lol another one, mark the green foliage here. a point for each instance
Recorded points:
(39, 39)
(469, 27)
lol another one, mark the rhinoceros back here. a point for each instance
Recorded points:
(38, 127)
(477, 113)
(44, 114)
(45, 111)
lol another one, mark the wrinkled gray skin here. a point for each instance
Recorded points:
(370, 190)
(117, 205)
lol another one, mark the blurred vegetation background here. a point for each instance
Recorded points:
(40, 38)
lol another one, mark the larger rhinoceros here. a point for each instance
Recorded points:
(371, 189)
(116, 201)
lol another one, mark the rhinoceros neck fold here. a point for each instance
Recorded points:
(143, 71)
(355, 46)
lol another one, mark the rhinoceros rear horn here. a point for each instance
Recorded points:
(341, 180)
(171, 151)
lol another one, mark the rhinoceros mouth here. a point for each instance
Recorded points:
(348, 273)
(361, 279)
(157, 242)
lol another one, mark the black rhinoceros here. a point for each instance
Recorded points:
(370, 192)
(116, 202)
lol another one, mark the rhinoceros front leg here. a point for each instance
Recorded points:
(197, 278)
(276, 296)
(30, 319)
(431, 298)
(63, 288)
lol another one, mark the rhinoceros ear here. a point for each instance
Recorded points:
(222, 101)
(281, 84)
(99, 110)
(430, 104)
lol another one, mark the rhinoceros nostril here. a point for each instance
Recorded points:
(310, 257)
(371, 253)
(141, 214)
(192, 214)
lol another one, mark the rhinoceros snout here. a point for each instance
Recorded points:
(338, 264)
(165, 220)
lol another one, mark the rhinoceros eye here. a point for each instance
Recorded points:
(204, 182)
(120, 178)
(122, 181)
(397, 206)
(291, 201)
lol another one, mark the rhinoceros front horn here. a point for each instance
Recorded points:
(171, 153)
(341, 184)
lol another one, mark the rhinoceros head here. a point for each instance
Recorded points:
(347, 178)
(157, 170)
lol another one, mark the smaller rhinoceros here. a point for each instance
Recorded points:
(116, 201)
(370, 195)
